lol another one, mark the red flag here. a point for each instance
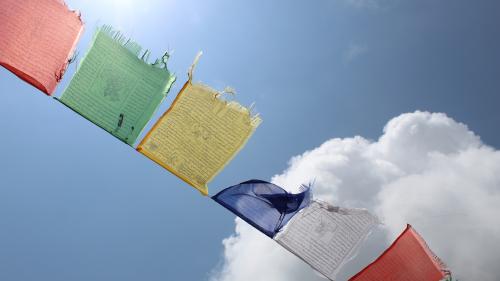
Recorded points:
(37, 39)
(407, 259)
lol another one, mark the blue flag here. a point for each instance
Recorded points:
(263, 205)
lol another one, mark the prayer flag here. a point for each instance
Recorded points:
(326, 237)
(407, 259)
(264, 205)
(37, 40)
(115, 88)
(199, 134)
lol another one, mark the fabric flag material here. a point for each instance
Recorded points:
(264, 205)
(407, 259)
(115, 88)
(199, 134)
(326, 237)
(37, 40)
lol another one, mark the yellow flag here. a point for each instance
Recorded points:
(199, 134)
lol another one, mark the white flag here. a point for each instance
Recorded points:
(326, 237)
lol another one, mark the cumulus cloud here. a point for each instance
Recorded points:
(426, 169)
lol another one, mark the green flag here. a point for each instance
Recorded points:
(114, 86)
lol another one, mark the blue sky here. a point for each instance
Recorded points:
(76, 204)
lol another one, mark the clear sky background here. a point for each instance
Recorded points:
(76, 204)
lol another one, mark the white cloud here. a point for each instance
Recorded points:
(353, 52)
(426, 169)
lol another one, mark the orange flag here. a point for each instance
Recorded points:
(407, 259)
(37, 40)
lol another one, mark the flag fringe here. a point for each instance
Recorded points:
(134, 47)
(255, 119)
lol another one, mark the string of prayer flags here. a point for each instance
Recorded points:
(118, 90)
(407, 259)
(199, 134)
(326, 237)
(37, 40)
(323, 236)
(114, 86)
(264, 205)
